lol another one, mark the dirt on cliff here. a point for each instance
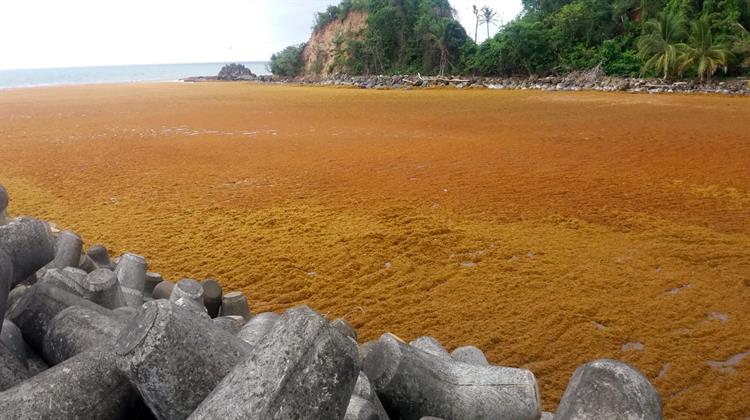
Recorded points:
(320, 52)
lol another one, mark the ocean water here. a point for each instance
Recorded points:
(115, 74)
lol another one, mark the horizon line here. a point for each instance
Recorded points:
(129, 65)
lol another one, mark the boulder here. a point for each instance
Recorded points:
(235, 71)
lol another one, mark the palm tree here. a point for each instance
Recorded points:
(742, 45)
(660, 44)
(489, 17)
(476, 27)
(702, 52)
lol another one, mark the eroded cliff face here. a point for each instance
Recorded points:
(320, 53)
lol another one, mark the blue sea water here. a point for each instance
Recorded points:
(115, 74)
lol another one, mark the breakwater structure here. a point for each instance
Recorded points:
(86, 337)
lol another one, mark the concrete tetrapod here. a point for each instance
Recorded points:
(188, 289)
(235, 303)
(152, 279)
(470, 355)
(12, 371)
(365, 403)
(42, 302)
(231, 323)
(87, 264)
(67, 250)
(175, 358)
(258, 326)
(84, 387)
(3, 206)
(100, 255)
(163, 290)
(609, 389)
(430, 345)
(6, 283)
(12, 339)
(76, 329)
(29, 244)
(344, 327)
(212, 295)
(101, 286)
(131, 273)
(302, 369)
(412, 383)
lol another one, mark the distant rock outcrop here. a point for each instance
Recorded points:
(235, 71)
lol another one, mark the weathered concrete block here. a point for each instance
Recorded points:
(86, 264)
(470, 355)
(76, 329)
(67, 281)
(100, 255)
(163, 290)
(6, 283)
(212, 295)
(235, 303)
(609, 389)
(35, 362)
(152, 279)
(85, 387)
(365, 403)
(15, 294)
(188, 289)
(101, 286)
(231, 323)
(42, 302)
(364, 350)
(12, 371)
(29, 244)
(301, 369)
(546, 415)
(430, 345)
(12, 339)
(67, 250)
(412, 383)
(360, 409)
(131, 273)
(345, 328)
(3, 206)
(258, 326)
(175, 358)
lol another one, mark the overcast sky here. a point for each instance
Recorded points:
(67, 33)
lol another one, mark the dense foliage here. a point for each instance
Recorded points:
(661, 38)
(288, 62)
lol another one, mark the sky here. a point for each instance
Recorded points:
(72, 33)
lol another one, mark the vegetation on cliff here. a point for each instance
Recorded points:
(661, 38)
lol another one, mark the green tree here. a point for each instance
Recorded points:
(701, 52)
(288, 62)
(660, 43)
(488, 17)
(741, 46)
